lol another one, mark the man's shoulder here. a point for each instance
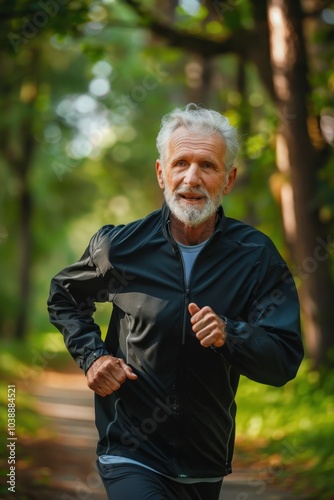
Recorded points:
(245, 233)
(111, 231)
(240, 234)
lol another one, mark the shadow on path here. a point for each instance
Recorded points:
(64, 462)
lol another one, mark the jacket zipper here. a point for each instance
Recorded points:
(186, 295)
(185, 312)
(186, 288)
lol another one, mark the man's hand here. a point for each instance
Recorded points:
(207, 326)
(107, 374)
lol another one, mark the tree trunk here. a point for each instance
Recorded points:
(17, 145)
(23, 166)
(25, 232)
(308, 242)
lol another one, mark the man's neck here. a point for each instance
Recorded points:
(187, 235)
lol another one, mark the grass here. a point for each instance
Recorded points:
(289, 430)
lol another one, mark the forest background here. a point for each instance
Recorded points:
(84, 86)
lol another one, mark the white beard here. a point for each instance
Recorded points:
(190, 215)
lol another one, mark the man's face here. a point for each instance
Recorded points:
(193, 177)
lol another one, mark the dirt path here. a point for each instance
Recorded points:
(64, 462)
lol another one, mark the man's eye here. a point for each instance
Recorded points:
(181, 163)
(207, 164)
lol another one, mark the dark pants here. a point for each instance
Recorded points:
(133, 482)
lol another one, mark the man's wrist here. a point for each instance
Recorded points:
(93, 356)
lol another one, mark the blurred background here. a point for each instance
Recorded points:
(84, 85)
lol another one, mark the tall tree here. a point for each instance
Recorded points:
(298, 161)
(17, 145)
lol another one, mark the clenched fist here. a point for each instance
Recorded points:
(107, 374)
(208, 327)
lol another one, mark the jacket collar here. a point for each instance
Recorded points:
(165, 213)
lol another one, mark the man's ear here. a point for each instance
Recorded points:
(160, 178)
(232, 175)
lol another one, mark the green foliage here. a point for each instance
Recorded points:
(291, 430)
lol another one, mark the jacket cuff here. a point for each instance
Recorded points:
(86, 363)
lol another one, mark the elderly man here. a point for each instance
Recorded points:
(198, 299)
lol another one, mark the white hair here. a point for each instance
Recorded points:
(199, 120)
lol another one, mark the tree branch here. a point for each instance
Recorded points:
(207, 47)
(247, 44)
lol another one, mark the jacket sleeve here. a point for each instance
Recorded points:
(267, 347)
(71, 303)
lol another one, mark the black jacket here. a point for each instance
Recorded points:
(179, 415)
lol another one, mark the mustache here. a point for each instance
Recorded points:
(192, 190)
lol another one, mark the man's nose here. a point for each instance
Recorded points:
(193, 175)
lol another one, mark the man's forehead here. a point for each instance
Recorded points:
(185, 138)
